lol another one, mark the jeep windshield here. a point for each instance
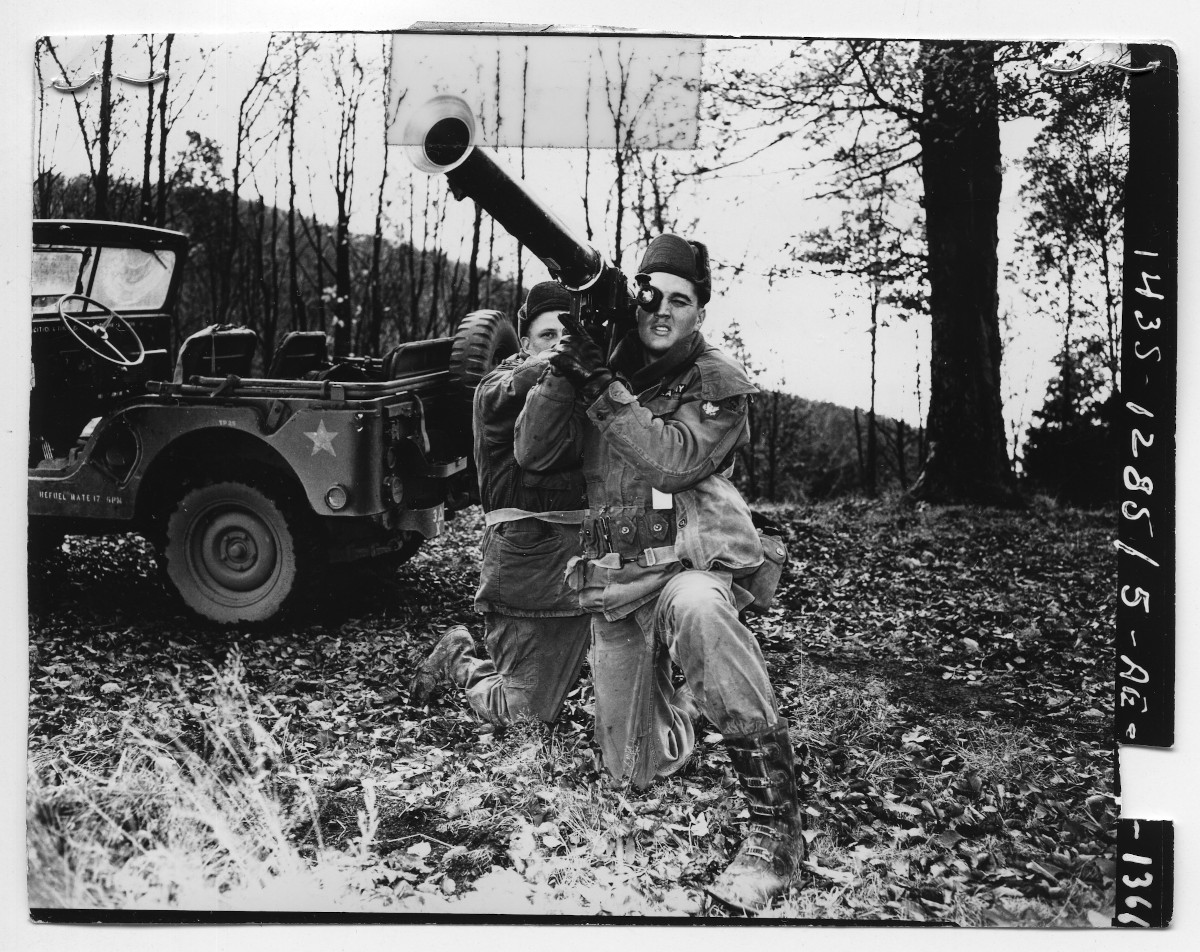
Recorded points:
(126, 279)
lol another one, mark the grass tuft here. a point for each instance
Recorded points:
(172, 827)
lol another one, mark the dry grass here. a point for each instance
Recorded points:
(171, 827)
(528, 827)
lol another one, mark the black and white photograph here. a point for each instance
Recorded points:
(527, 473)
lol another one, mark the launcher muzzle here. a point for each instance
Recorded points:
(442, 139)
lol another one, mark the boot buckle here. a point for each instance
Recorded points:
(758, 852)
(759, 829)
(770, 809)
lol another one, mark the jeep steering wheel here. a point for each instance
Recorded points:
(95, 337)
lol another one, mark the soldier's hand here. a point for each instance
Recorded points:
(579, 358)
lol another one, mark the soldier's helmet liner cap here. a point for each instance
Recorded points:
(684, 259)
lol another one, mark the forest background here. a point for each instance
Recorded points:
(1150, 771)
(269, 152)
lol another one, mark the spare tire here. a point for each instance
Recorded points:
(483, 339)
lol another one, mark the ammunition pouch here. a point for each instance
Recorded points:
(762, 580)
(627, 533)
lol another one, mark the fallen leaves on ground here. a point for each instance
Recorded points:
(946, 671)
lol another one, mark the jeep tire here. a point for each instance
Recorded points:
(483, 339)
(233, 553)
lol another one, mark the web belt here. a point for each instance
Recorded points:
(656, 555)
(660, 555)
(562, 517)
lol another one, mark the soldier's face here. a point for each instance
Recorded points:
(678, 316)
(544, 332)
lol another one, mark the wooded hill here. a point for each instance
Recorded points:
(403, 291)
(809, 449)
(801, 449)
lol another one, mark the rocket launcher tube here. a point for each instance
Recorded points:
(602, 299)
(444, 133)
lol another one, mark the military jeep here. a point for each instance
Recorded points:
(247, 483)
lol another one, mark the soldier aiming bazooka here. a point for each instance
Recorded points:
(670, 553)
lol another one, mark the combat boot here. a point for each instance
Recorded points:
(450, 660)
(774, 845)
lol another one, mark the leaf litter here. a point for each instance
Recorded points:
(946, 671)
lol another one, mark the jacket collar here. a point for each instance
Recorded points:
(633, 361)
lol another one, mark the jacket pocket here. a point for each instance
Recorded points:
(529, 559)
(762, 582)
(525, 536)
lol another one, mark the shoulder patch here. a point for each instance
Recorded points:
(721, 376)
(729, 405)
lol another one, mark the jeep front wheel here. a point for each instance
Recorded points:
(232, 553)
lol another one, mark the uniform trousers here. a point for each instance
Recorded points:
(531, 665)
(641, 728)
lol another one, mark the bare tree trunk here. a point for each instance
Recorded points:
(44, 183)
(490, 277)
(88, 144)
(619, 158)
(901, 454)
(349, 91)
(624, 119)
(264, 318)
(1066, 372)
(372, 344)
(146, 211)
(773, 448)
(375, 281)
(342, 303)
(920, 416)
(859, 447)
(524, 116)
(296, 302)
(961, 173)
(660, 200)
(587, 162)
(266, 252)
(1112, 320)
(102, 200)
(417, 275)
(317, 242)
(455, 290)
(872, 486)
(276, 284)
(473, 264)
(160, 206)
(435, 293)
(244, 122)
(435, 277)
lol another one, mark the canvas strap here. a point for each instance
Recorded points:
(564, 517)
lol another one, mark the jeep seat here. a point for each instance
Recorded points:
(298, 354)
(216, 351)
(418, 356)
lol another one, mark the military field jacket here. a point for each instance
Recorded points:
(524, 561)
(653, 459)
